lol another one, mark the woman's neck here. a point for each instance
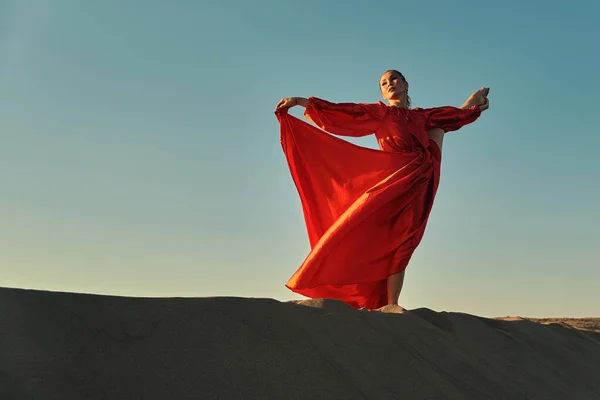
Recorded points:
(398, 103)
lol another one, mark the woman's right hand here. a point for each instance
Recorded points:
(286, 102)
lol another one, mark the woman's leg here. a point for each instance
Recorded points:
(394, 287)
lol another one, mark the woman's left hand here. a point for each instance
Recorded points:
(480, 98)
(485, 105)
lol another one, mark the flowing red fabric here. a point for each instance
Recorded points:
(365, 209)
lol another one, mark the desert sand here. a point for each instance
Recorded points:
(77, 346)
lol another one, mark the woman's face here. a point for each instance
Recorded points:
(392, 86)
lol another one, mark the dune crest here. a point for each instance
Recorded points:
(76, 346)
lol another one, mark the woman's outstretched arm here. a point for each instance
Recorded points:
(344, 119)
(478, 98)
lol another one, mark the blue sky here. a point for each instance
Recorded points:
(140, 155)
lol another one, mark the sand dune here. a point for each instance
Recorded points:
(74, 346)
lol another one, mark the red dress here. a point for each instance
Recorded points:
(365, 210)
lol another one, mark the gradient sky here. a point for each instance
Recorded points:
(140, 154)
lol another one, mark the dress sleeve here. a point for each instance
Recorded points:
(450, 118)
(345, 119)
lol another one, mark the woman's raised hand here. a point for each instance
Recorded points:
(478, 98)
(286, 102)
(484, 101)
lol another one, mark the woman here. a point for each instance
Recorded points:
(365, 209)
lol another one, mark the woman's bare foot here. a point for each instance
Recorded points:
(392, 308)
